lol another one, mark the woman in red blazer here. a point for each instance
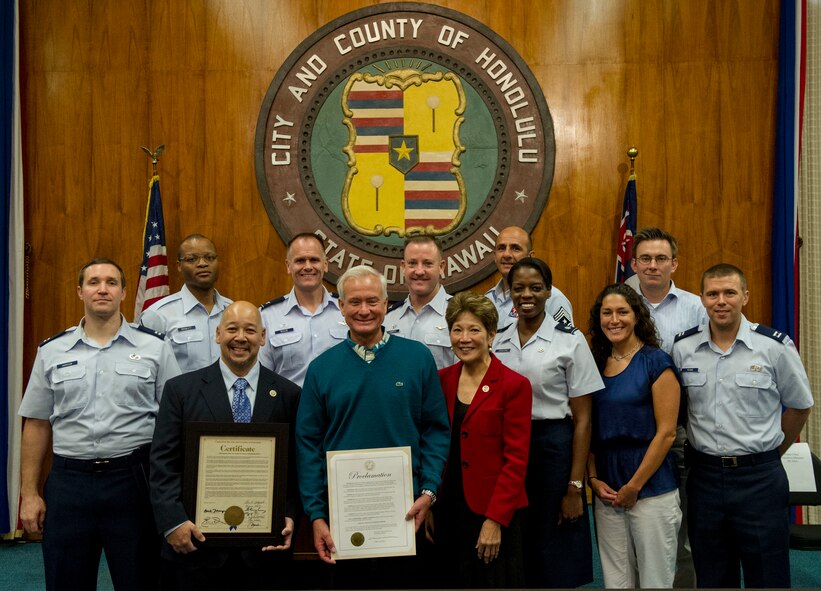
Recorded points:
(476, 527)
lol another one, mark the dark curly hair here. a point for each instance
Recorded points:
(645, 328)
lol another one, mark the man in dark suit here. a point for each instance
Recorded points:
(235, 388)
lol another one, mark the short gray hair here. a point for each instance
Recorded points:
(359, 272)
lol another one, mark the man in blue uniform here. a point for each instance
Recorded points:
(189, 318)
(421, 316)
(512, 245)
(93, 395)
(306, 321)
(738, 377)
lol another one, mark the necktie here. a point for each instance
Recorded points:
(240, 405)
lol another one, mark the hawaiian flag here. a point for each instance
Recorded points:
(627, 229)
(154, 268)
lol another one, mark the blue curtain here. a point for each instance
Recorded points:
(7, 43)
(784, 263)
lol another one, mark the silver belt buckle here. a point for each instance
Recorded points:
(100, 463)
(729, 462)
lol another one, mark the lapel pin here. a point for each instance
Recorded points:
(272, 393)
(540, 350)
(485, 388)
(134, 356)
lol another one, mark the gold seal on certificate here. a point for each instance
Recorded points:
(369, 493)
(234, 516)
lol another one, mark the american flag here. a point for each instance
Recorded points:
(627, 229)
(154, 268)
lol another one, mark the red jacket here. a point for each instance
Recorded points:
(495, 439)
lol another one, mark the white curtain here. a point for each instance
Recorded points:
(809, 226)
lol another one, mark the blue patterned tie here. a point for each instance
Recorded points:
(240, 405)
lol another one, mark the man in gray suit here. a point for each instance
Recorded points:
(235, 388)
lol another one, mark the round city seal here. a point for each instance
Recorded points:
(357, 539)
(403, 119)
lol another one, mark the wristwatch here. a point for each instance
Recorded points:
(431, 494)
(577, 483)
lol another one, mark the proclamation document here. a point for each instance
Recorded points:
(235, 489)
(369, 493)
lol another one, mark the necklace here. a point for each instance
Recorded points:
(626, 355)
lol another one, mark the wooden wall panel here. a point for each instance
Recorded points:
(692, 84)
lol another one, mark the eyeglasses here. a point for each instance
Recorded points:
(646, 259)
(192, 259)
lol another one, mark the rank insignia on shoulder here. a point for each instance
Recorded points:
(150, 331)
(566, 327)
(687, 333)
(770, 332)
(272, 302)
(55, 336)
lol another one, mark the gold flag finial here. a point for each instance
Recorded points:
(632, 153)
(155, 155)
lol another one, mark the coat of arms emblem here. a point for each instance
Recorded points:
(404, 151)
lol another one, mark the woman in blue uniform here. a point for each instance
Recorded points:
(557, 361)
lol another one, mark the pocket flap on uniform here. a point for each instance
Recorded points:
(693, 378)
(285, 337)
(180, 337)
(753, 380)
(441, 339)
(339, 332)
(68, 372)
(133, 369)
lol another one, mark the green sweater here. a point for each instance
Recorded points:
(346, 403)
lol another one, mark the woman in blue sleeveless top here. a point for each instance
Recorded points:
(631, 469)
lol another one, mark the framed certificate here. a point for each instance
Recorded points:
(234, 481)
(369, 493)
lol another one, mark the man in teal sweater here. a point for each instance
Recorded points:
(371, 391)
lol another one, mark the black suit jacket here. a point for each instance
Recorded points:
(201, 396)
